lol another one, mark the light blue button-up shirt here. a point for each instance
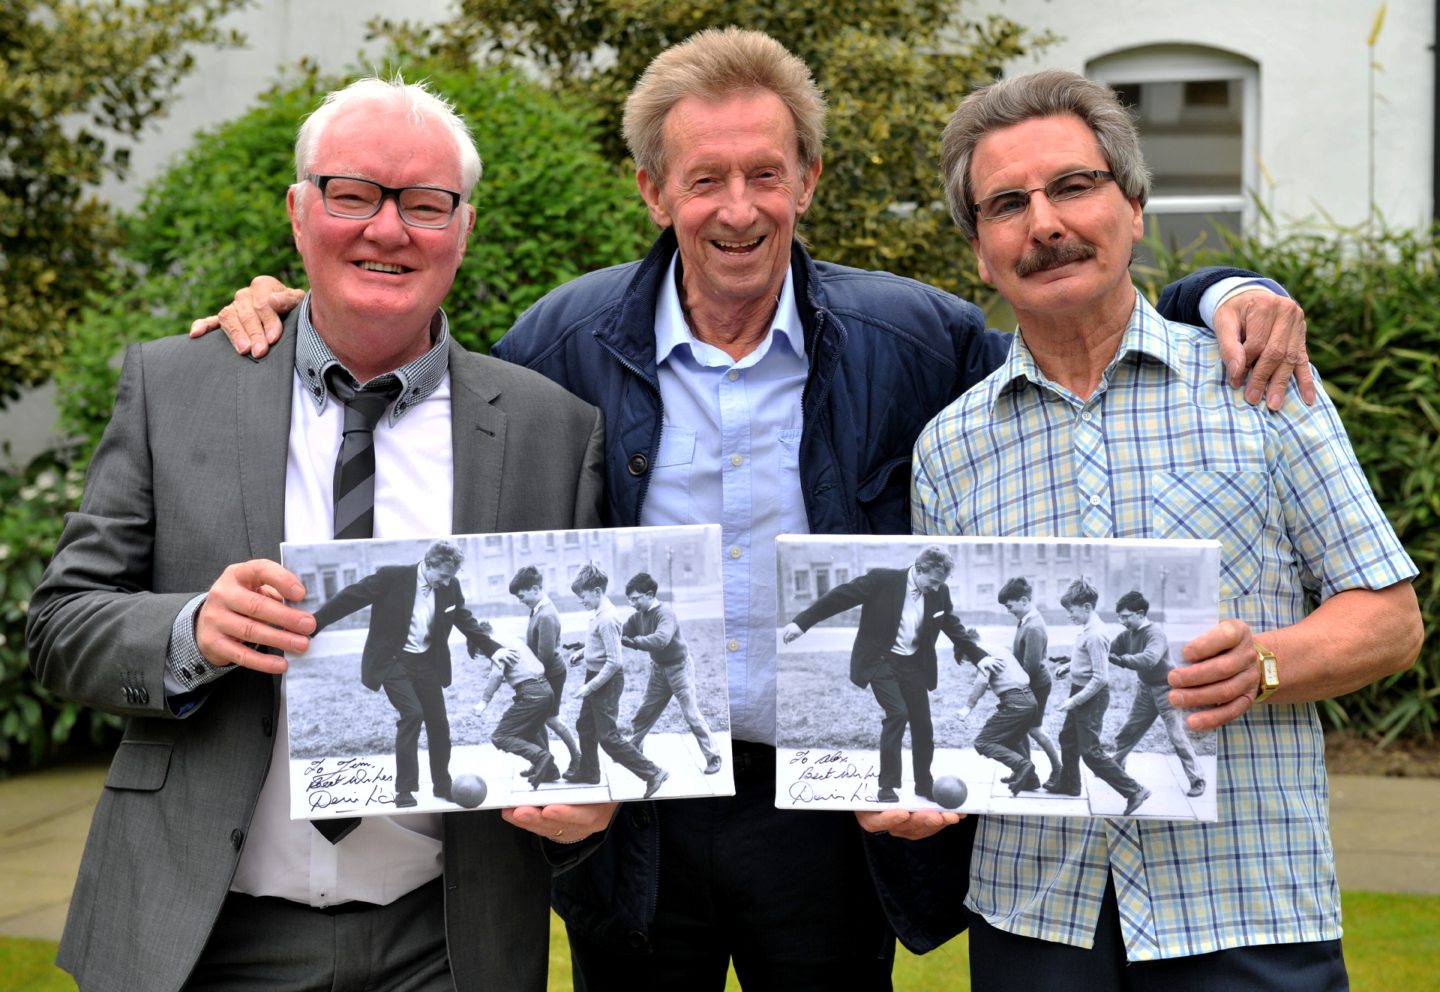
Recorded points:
(730, 454)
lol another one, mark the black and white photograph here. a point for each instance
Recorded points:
(495, 670)
(1015, 675)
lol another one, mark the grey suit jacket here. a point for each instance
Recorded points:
(190, 477)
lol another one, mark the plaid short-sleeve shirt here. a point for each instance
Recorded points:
(1165, 448)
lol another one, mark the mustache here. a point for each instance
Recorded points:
(1047, 256)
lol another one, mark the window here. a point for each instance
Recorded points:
(1198, 112)
(802, 583)
(494, 544)
(984, 554)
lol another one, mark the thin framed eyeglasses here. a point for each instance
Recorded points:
(1014, 202)
(361, 199)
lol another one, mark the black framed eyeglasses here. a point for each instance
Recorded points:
(1014, 202)
(361, 199)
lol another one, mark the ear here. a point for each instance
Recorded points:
(807, 187)
(468, 227)
(292, 207)
(980, 261)
(1137, 226)
(650, 191)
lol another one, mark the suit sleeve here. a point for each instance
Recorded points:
(355, 596)
(1180, 301)
(96, 632)
(845, 596)
(590, 486)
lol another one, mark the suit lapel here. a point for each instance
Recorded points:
(262, 417)
(477, 430)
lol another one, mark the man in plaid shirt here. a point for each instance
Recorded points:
(1108, 421)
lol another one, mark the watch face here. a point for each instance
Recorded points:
(1272, 676)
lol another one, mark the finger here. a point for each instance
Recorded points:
(282, 301)
(201, 326)
(1305, 379)
(922, 824)
(1227, 335)
(1218, 716)
(1222, 637)
(881, 821)
(244, 323)
(1242, 680)
(259, 572)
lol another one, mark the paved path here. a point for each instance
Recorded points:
(1384, 828)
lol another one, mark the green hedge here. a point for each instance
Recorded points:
(549, 208)
(1372, 304)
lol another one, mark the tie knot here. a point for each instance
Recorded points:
(364, 406)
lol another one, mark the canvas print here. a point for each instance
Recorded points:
(1016, 675)
(496, 670)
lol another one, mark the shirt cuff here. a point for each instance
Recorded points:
(1223, 289)
(185, 667)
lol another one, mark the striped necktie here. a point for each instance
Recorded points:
(355, 493)
(355, 465)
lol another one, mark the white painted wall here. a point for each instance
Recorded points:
(279, 34)
(1313, 91)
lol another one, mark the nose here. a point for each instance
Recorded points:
(1043, 219)
(738, 211)
(387, 226)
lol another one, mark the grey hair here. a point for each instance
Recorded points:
(1048, 93)
(712, 65)
(933, 560)
(415, 98)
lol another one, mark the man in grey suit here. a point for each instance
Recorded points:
(164, 603)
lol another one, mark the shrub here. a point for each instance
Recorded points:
(1372, 302)
(34, 725)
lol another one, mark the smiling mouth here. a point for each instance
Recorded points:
(738, 247)
(386, 267)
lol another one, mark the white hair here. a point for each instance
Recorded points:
(415, 98)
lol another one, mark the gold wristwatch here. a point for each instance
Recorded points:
(1269, 672)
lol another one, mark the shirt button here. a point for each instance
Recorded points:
(732, 375)
(736, 460)
(735, 552)
(637, 464)
(1085, 416)
(732, 644)
(1094, 500)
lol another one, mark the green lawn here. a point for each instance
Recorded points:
(1392, 944)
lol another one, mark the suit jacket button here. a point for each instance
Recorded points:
(267, 726)
(639, 817)
(637, 464)
(144, 694)
(237, 837)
